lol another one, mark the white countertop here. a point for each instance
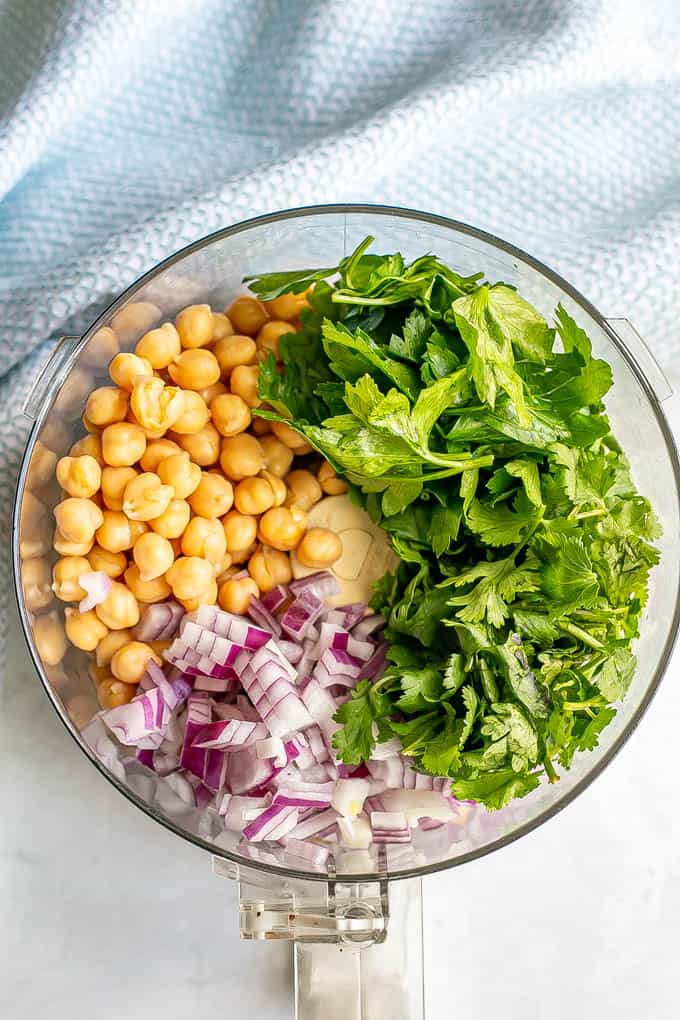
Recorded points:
(105, 915)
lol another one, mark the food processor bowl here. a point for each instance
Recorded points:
(352, 901)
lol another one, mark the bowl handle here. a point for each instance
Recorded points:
(358, 947)
(630, 340)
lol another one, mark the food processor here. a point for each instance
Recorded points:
(356, 918)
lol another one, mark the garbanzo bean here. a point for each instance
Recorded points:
(243, 381)
(282, 527)
(113, 482)
(288, 436)
(84, 630)
(319, 548)
(156, 406)
(247, 315)
(194, 369)
(222, 569)
(67, 548)
(278, 487)
(239, 556)
(230, 414)
(210, 392)
(172, 523)
(205, 537)
(36, 582)
(50, 639)
(190, 576)
(260, 427)
(123, 444)
(119, 609)
(43, 462)
(79, 476)
(269, 567)
(203, 447)
(125, 368)
(195, 326)
(109, 563)
(195, 415)
(205, 598)
(65, 574)
(129, 662)
(240, 530)
(159, 646)
(181, 473)
(77, 519)
(329, 481)
(156, 451)
(213, 497)
(288, 306)
(159, 346)
(111, 693)
(117, 533)
(277, 456)
(88, 446)
(110, 644)
(153, 555)
(267, 339)
(303, 489)
(241, 457)
(253, 496)
(234, 350)
(146, 591)
(88, 425)
(221, 326)
(146, 498)
(235, 594)
(99, 673)
(106, 405)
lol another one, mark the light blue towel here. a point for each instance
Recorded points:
(129, 128)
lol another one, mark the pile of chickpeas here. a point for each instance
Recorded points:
(178, 491)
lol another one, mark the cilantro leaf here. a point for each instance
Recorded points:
(495, 789)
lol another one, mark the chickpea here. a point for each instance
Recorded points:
(277, 457)
(101, 348)
(288, 436)
(288, 306)
(204, 598)
(269, 567)
(195, 326)
(79, 476)
(117, 533)
(146, 498)
(84, 630)
(129, 662)
(260, 427)
(43, 462)
(267, 339)
(110, 644)
(190, 576)
(153, 555)
(320, 548)
(247, 315)
(172, 523)
(303, 489)
(230, 414)
(195, 415)
(65, 574)
(235, 594)
(134, 319)
(243, 381)
(240, 530)
(232, 351)
(329, 481)
(156, 406)
(221, 326)
(104, 406)
(203, 447)
(156, 451)
(50, 639)
(67, 548)
(223, 569)
(119, 609)
(239, 556)
(125, 368)
(111, 693)
(181, 473)
(123, 444)
(205, 537)
(113, 482)
(253, 496)
(159, 346)
(109, 563)
(176, 543)
(195, 369)
(278, 487)
(88, 446)
(242, 457)
(282, 528)
(99, 673)
(78, 519)
(210, 392)
(213, 496)
(146, 592)
(159, 646)
(36, 582)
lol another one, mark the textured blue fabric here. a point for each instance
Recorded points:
(129, 128)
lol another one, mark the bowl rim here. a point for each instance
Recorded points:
(350, 209)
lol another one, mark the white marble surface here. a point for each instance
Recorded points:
(104, 914)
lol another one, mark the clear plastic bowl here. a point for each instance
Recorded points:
(211, 271)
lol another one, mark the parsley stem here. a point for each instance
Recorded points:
(583, 706)
(550, 771)
(588, 513)
(578, 632)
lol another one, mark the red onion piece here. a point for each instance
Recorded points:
(97, 584)
(275, 597)
(263, 617)
(322, 584)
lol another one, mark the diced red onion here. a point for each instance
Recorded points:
(263, 617)
(140, 722)
(355, 832)
(322, 584)
(369, 625)
(231, 733)
(416, 804)
(239, 811)
(292, 651)
(390, 827)
(349, 796)
(159, 622)
(312, 853)
(305, 795)
(247, 772)
(275, 597)
(272, 823)
(216, 684)
(97, 584)
(318, 824)
(301, 614)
